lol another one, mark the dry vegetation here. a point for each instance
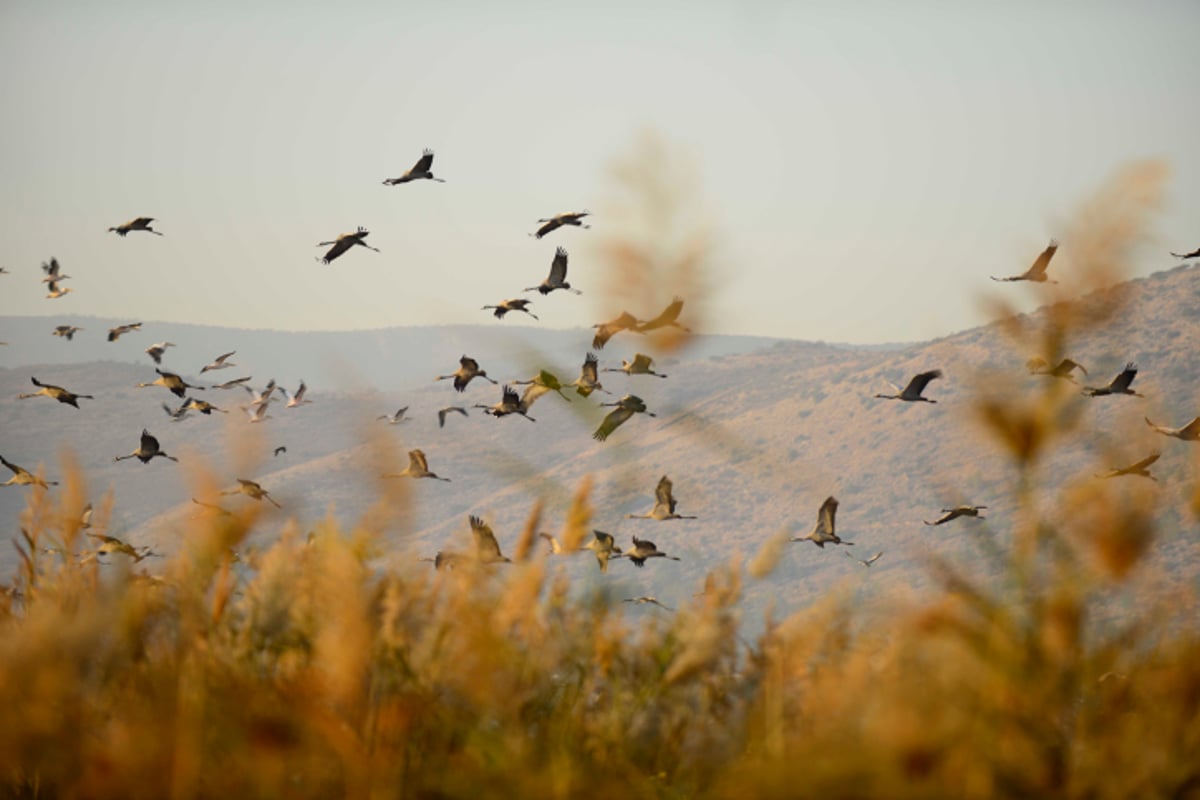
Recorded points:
(304, 671)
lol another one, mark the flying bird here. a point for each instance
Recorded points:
(343, 243)
(604, 546)
(23, 477)
(551, 224)
(170, 380)
(136, 224)
(252, 490)
(646, 599)
(1118, 385)
(57, 392)
(221, 362)
(626, 407)
(1194, 254)
(1037, 271)
(55, 292)
(155, 351)
(510, 403)
(419, 171)
(642, 364)
(66, 331)
(203, 406)
(1140, 469)
(644, 549)
(545, 381)
(232, 383)
(487, 549)
(148, 449)
(519, 304)
(912, 392)
(53, 271)
(298, 399)
(417, 467)
(823, 532)
(664, 504)
(589, 378)
(1188, 433)
(468, 369)
(668, 318)
(280, 450)
(866, 562)
(1039, 366)
(177, 414)
(956, 512)
(397, 418)
(442, 412)
(120, 330)
(558, 275)
(607, 330)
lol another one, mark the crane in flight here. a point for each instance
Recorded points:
(1064, 368)
(1188, 433)
(1037, 270)
(589, 377)
(220, 362)
(422, 170)
(170, 380)
(443, 412)
(1118, 385)
(644, 549)
(518, 304)
(156, 350)
(824, 532)
(468, 370)
(343, 243)
(66, 331)
(956, 512)
(664, 504)
(135, 224)
(510, 403)
(23, 477)
(120, 330)
(607, 330)
(417, 467)
(148, 449)
(912, 392)
(252, 490)
(625, 408)
(558, 276)
(642, 364)
(551, 224)
(1140, 469)
(56, 392)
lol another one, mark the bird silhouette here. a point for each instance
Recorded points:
(417, 467)
(550, 224)
(1036, 271)
(641, 364)
(956, 512)
(1118, 385)
(664, 504)
(397, 418)
(607, 330)
(468, 370)
(135, 224)
(442, 412)
(177, 385)
(558, 276)
(23, 477)
(252, 490)
(121, 330)
(419, 171)
(343, 243)
(487, 549)
(57, 392)
(625, 408)
(644, 549)
(1039, 366)
(220, 362)
(66, 331)
(156, 351)
(1139, 469)
(866, 562)
(589, 377)
(912, 392)
(148, 449)
(518, 304)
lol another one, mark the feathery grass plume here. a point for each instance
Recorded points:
(529, 534)
(767, 558)
(578, 524)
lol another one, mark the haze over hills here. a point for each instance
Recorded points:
(752, 440)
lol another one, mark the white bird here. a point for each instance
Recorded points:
(220, 362)
(397, 418)
(298, 399)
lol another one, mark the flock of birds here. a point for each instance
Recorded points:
(519, 403)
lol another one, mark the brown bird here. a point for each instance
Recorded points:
(642, 550)
(203, 406)
(156, 351)
(912, 392)
(668, 318)
(607, 330)
(558, 275)
(956, 512)
(117, 332)
(147, 449)
(111, 544)
(66, 331)
(1188, 433)
(136, 224)
(417, 467)
(589, 377)
(343, 243)
(642, 364)
(551, 224)
(1038, 366)
(468, 369)
(1118, 385)
(419, 171)
(545, 381)
(1139, 469)
(823, 532)
(252, 490)
(664, 504)
(57, 392)
(23, 477)
(170, 380)
(604, 546)
(510, 403)
(519, 304)
(626, 407)
(1194, 254)
(1037, 271)
(487, 549)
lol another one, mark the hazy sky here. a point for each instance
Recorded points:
(849, 155)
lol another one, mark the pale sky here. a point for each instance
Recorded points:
(865, 166)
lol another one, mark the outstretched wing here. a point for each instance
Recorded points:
(641, 363)
(662, 494)
(558, 267)
(417, 462)
(340, 246)
(611, 422)
(590, 371)
(668, 316)
(1122, 381)
(1145, 462)
(486, 546)
(919, 382)
(424, 164)
(469, 364)
(1038, 269)
(149, 443)
(1191, 430)
(825, 517)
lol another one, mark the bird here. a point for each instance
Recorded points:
(136, 224)
(668, 318)
(1139, 469)
(646, 599)
(397, 418)
(519, 304)
(644, 549)
(53, 271)
(544, 381)
(823, 532)
(558, 275)
(220, 362)
(85, 517)
(148, 449)
(417, 467)
(468, 369)
(203, 406)
(343, 243)
(1038, 366)
(177, 414)
(66, 331)
(155, 351)
(555, 546)
(264, 396)
(419, 170)
(912, 392)
(956, 512)
(446, 558)
(170, 380)
(117, 332)
(1037, 271)
(298, 399)
(510, 403)
(280, 450)
(866, 562)
(1188, 433)
(607, 330)
(55, 292)
(626, 407)
(1194, 254)
(111, 544)
(1118, 385)
(23, 477)
(442, 412)
(551, 224)
(604, 546)
(589, 378)
(57, 392)
(487, 549)
(664, 504)
(252, 490)
(232, 383)
(257, 412)
(533, 391)
(4, 271)
(642, 364)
